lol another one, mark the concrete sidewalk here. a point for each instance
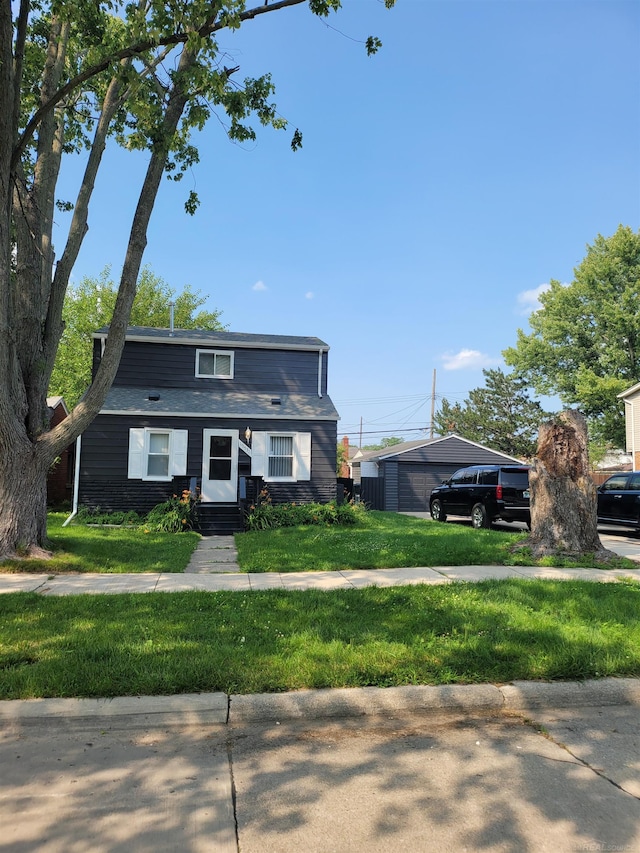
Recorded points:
(519, 767)
(247, 582)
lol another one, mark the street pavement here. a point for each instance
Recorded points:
(523, 767)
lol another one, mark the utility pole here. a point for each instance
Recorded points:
(433, 403)
(360, 445)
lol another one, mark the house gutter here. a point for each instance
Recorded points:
(76, 482)
(320, 352)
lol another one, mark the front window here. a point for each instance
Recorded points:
(280, 456)
(158, 455)
(214, 364)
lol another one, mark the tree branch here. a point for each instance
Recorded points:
(52, 442)
(129, 53)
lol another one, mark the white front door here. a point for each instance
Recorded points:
(220, 466)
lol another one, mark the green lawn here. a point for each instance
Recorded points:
(78, 548)
(161, 643)
(387, 540)
(378, 540)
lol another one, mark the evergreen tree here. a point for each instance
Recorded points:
(500, 415)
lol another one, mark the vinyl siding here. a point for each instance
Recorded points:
(105, 449)
(391, 486)
(173, 365)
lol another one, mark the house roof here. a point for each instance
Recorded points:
(630, 391)
(203, 337)
(54, 402)
(217, 404)
(405, 446)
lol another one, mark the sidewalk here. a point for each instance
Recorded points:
(251, 582)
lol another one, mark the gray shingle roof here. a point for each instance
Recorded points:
(178, 401)
(396, 448)
(243, 339)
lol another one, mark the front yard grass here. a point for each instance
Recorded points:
(161, 643)
(388, 540)
(78, 548)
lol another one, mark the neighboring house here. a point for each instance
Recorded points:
(631, 400)
(349, 452)
(400, 478)
(224, 412)
(60, 476)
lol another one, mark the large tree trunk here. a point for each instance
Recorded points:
(27, 447)
(563, 495)
(23, 498)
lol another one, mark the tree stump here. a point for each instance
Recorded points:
(563, 495)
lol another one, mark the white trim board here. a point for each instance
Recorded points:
(262, 416)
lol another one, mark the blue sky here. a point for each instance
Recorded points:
(440, 184)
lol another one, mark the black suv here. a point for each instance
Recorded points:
(619, 500)
(486, 493)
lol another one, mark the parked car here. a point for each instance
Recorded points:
(484, 492)
(619, 500)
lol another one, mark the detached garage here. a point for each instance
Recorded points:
(400, 478)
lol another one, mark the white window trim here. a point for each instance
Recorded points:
(301, 456)
(146, 452)
(139, 442)
(214, 352)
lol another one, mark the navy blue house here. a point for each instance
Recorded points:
(230, 413)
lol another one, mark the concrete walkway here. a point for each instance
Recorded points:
(214, 554)
(250, 581)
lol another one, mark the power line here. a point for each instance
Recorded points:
(383, 431)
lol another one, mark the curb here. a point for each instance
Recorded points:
(182, 709)
(220, 709)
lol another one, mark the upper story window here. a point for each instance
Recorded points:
(214, 364)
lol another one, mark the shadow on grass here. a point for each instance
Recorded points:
(494, 631)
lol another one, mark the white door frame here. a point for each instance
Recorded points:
(219, 491)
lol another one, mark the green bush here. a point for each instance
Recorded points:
(86, 515)
(172, 516)
(266, 516)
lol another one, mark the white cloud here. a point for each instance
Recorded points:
(259, 286)
(468, 359)
(528, 300)
(309, 294)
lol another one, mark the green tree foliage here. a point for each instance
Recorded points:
(90, 305)
(388, 441)
(585, 339)
(501, 415)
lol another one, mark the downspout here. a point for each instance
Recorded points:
(76, 482)
(320, 351)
